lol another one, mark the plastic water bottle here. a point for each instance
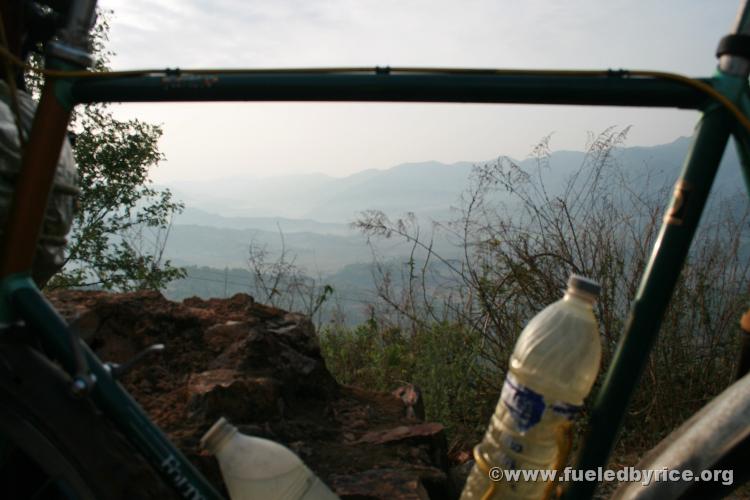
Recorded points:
(254, 468)
(554, 364)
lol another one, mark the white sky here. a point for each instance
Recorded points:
(203, 141)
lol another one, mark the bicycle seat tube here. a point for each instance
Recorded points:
(41, 152)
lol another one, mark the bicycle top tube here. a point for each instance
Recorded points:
(617, 88)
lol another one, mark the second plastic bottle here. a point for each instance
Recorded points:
(258, 469)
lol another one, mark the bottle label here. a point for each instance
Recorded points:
(568, 411)
(527, 406)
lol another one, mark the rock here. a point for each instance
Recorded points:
(379, 484)
(228, 393)
(428, 436)
(261, 367)
(302, 373)
(429, 430)
(219, 337)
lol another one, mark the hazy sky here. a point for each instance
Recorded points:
(261, 139)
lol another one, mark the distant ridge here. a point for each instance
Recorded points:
(429, 188)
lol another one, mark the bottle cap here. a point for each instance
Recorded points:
(213, 438)
(583, 284)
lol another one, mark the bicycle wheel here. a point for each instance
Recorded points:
(712, 444)
(53, 445)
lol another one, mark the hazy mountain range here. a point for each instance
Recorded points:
(429, 188)
(314, 211)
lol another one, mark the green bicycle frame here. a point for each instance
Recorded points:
(615, 88)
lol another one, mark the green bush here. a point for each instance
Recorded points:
(441, 360)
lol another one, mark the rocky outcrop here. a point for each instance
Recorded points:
(261, 368)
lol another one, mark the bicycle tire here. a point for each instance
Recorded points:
(60, 440)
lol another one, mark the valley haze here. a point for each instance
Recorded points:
(313, 214)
